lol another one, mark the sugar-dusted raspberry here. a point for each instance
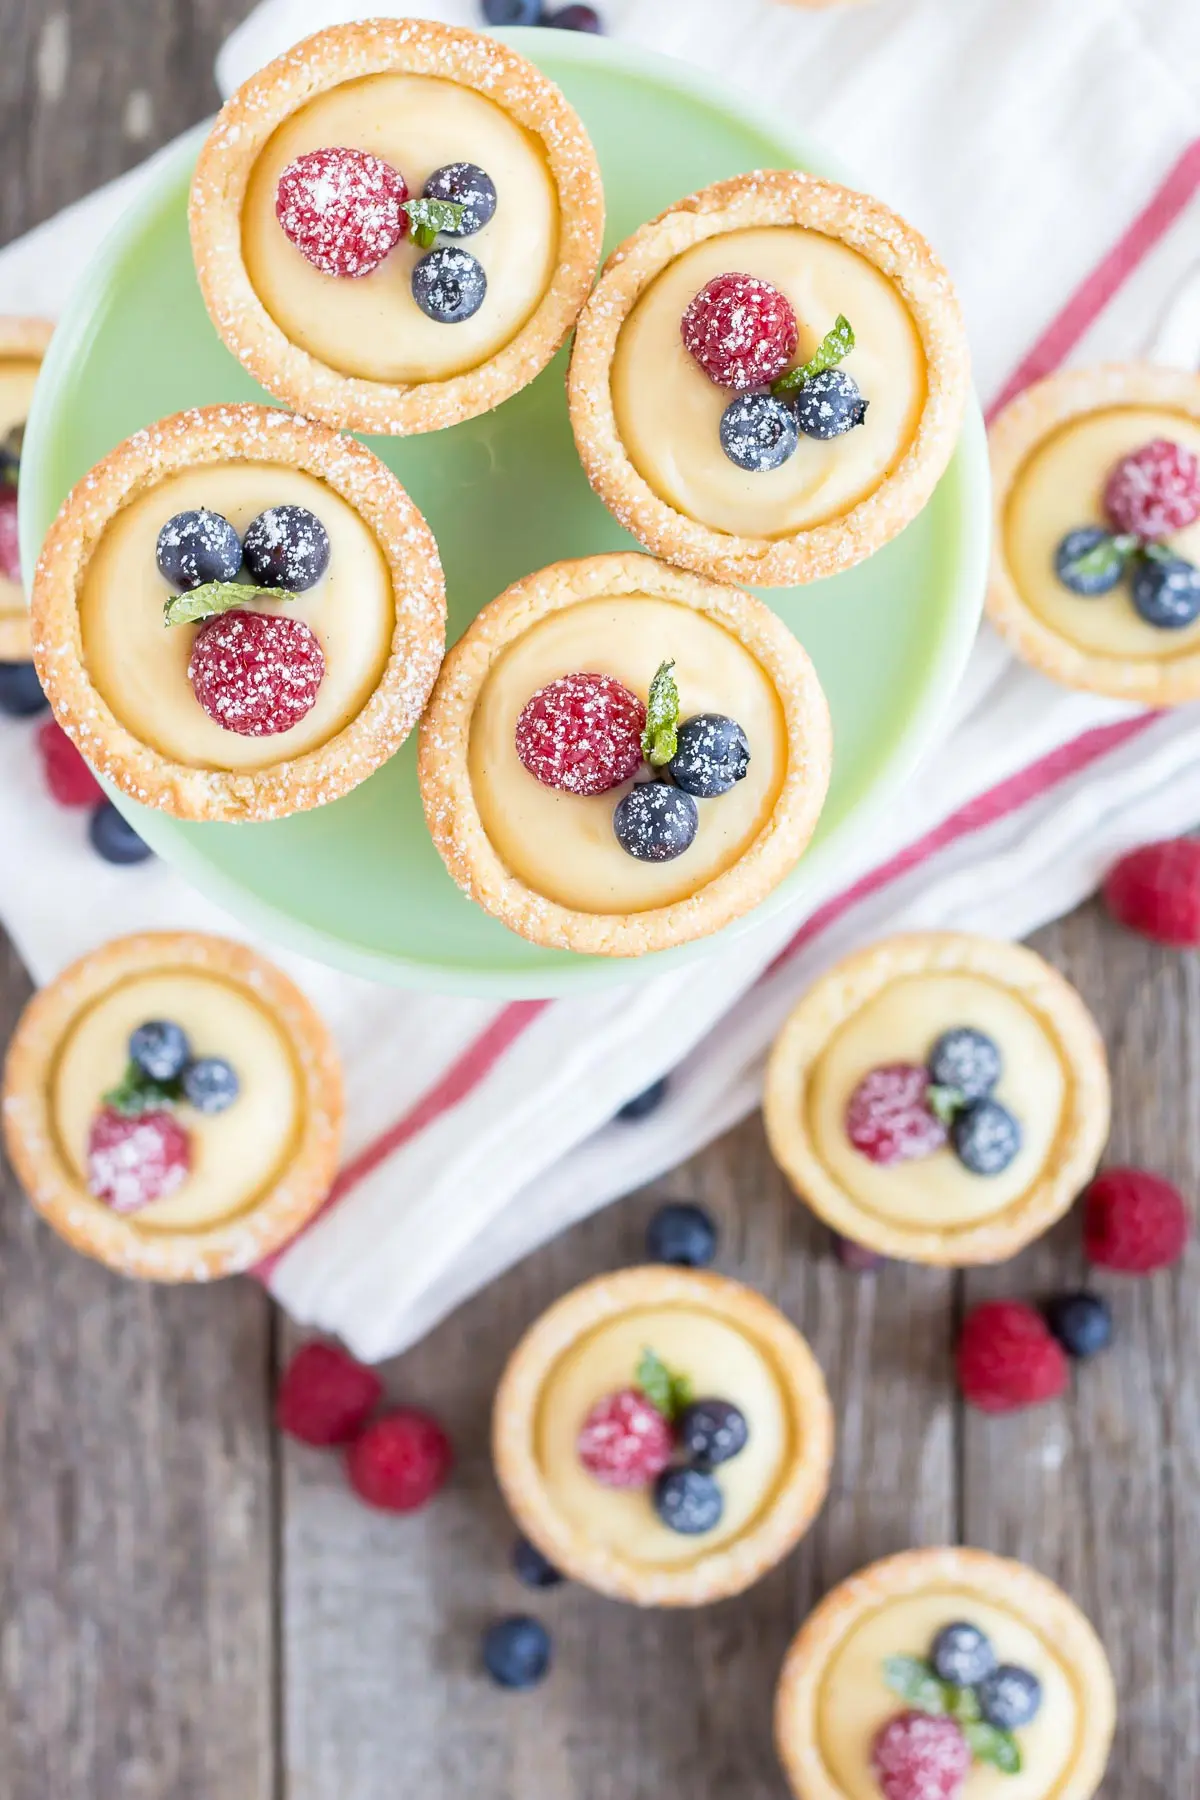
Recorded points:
(919, 1757)
(1134, 1222)
(625, 1442)
(888, 1116)
(582, 733)
(256, 673)
(1008, 1358)
(135, 1161)
(10, 554)
(399, 1463)
(343, 209)
(1156, 890)
(325, 1396)
(742, 331)
(68, 777)
(1155, 490)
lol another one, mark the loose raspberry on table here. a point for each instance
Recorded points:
(919, 1757)
(399, 1462)
(134, 1161)
(625, 1442)
(1134, 1222)
(888, 1117)
(1154, 491)
(1008, 1358)
(582, 733)
(10, 553)
(1155, 890)
(742, 331)
(68, 777)
(343, 209)
(325, 1396)
(256, 673)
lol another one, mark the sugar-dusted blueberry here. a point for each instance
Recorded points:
(713, 755)
(967, 1060)
(1009, 1697)
(534, 1569)
(287, 547)
(21, 695)
(712, 1432)
(681, 1233)
(1084, 564)
(113, 837)
(655, 822)
(986, 1137)
(512, 12)
(759, 432)
(449, 285)
(575, 18)
(1081, 1322)
(645, 1103)
(962, 1654)
(198, 546)
(516, 1651)
(470, 187)
(1166, 592)
(210, 1084)
(688, 1501)
(160, 1049)
(829, 405)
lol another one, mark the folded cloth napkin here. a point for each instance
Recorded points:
(1052, 153)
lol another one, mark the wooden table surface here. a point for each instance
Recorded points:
(193, 1609)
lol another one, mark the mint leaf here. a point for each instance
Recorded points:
(990, 1745)
(944, 1102)
(914, 1680)
(139, 1093)
(669, 1392)
(428, 217)
(216, 597)
(660, 740)
(1159, 553)
(964, 1705)
(834, 346)
(1111, 553)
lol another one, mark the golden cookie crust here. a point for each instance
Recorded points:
(453, 816)
(347, 53)
(840, 993)
(1024, 425)
(1012, 1585)
(247, 434)
(20, 337)
(770, 197)
(233, 1244)
(719, 1573)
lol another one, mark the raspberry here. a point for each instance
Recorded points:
(1156, 890)
(134, 1161)
(1008, 1358)
(68, 777)
(1155, 490)
(888, 1116)
(1134, 1221)
(343, 209)
(625, 1442)
(10, 555)
(582, 733)
(919, 1757)
(325, 1396)
(256, 673)
(742, 331)
(400, 1462)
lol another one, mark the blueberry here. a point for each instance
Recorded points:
(21, 693)
(531, 1567)
(160, 1049)
(210, 1084)
(516, 1651)
(195, 547)
(472, 188)
(655, 822)
(287, 547)
(681, 1233)
(967, 1060)
(713, 755)
(1009, 1697)
(11, 445)
(688, 1501)
(986, 1137)
(449, 285)
(1082, 1323)
(758, 432)
(512, 12)
(712, 1432)
(829, 405)
(1167, 594)
(575, 18)
(643, 1104)
(962, 1655)
(113, 837)
(856, 1257)
(1078, 544)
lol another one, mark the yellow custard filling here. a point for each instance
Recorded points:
(855, 1702)
(139, 665)
(236, 1154)
(370, 325)
(668, 412)
(1060, 488)
(901, 1024)
(721, 1363)
(563, 845)
(17, 378)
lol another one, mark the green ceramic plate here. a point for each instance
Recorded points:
(358, 884)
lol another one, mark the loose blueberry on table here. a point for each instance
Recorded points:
(113, 838)
(533, 12)
(532, 1568)
(683, 1234)
(900, 1112)
(10, 469)
(642, 1105)
(1081, 1322)
(1149, 494)
(963, 1706)
(21, 695)
(517, 1651)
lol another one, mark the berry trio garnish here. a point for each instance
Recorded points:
(964, 1706)
(902, 1111)
(1149, 494)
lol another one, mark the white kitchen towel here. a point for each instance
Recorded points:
(1052, 152)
